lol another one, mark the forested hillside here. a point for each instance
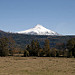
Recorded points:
(22, 40)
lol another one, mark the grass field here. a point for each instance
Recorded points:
(37, 66)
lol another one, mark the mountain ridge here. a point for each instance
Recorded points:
(38, 30)
(22, 40)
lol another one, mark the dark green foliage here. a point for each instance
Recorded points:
(53, 52)
(65, 52)
(57, 42)
(71, 44)
(28, 48)
(33, 48)
(12, 45)
(73, 51)
(71, 47)
(47, 47)
(57, 53)
(4, 46)
(69, 54)
(48, 53)
(26, 53)
(41, 53)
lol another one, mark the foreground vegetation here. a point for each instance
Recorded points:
(8, 47)
(37, 66)
(36, 60)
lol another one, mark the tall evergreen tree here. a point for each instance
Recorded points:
(28, 48)
(47, 47)
(71, 47)
(34, 48)
(11, 45)
(4, 46)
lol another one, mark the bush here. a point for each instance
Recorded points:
(40, 53)
(53, 52)
(26, 53)
(69, 54)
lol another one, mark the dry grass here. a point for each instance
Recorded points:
(36, 66)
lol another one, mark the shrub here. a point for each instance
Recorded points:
(26, 53)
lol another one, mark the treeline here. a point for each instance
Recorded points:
(9, 48)
(34, 49)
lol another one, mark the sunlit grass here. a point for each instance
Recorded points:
(37, 66)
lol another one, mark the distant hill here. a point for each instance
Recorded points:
(2, 33)
(24, 39)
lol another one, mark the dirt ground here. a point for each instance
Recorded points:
(37, 66)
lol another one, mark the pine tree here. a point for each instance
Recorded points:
(71, 47)
(4, 46)
(34, 48)
(47, 47)
(11, 45)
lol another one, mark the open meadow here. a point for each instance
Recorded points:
(37, 66)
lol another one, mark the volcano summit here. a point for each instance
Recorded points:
(38, 30)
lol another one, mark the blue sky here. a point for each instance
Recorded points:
(19, 15)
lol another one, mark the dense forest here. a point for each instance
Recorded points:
(34, 49)
(9, 48)
(22, 40)
(36, 45)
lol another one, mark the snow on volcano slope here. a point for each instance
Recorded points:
(38, 30)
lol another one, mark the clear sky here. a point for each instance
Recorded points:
(19, 15)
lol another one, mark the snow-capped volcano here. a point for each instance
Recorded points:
(38, 30)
